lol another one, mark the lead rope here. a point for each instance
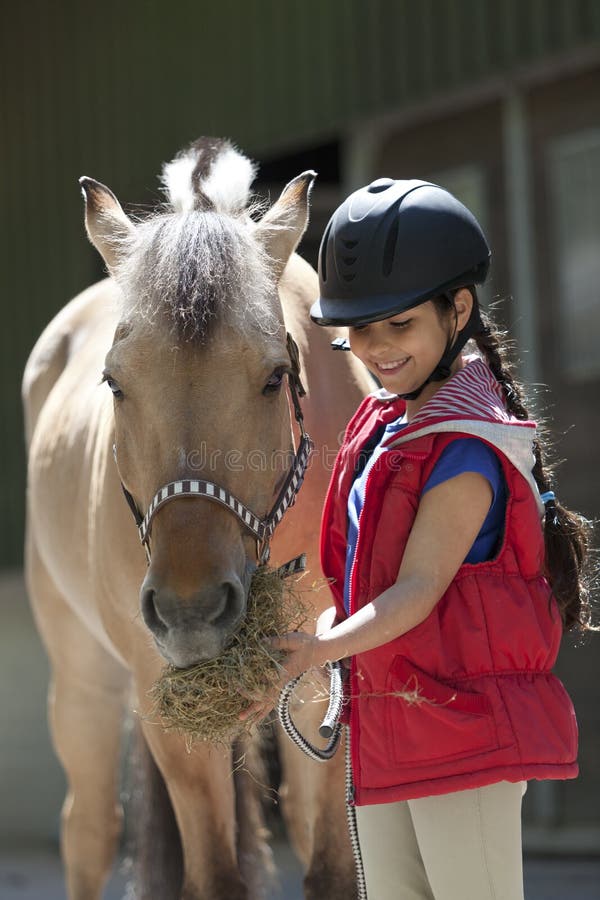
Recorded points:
(361, 884)
(330, 728)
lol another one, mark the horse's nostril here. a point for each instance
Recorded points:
(227, 602)
(150, 613)
(221, 599)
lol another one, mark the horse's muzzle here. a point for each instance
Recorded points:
(189, 630)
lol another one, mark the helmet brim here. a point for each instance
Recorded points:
(363, 310)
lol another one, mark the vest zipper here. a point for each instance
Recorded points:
(351, 788)
(356, 549)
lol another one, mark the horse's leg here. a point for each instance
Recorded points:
(313, 801)
(85, 707)
(157, 841)
(155, 845)
(201, 787)
(255, 856)
(86, 713)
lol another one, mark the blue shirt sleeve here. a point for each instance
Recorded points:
(473, 455)
(467, 455)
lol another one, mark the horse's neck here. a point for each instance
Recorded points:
(336, 382)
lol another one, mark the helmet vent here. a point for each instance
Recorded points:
(382, 184)
(389, 250)
(349, 277)
(349, 245)
(349, 260)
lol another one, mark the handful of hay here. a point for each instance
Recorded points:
(203, 702)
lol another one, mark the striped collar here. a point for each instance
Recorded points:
(473, 393)
(471, 402)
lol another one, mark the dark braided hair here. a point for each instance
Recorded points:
(567, 535)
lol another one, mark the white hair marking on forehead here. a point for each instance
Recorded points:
(176, 179)
(213, 168)
(228, 184)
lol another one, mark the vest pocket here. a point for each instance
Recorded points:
(430, 720)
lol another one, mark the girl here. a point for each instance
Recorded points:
(454, 568)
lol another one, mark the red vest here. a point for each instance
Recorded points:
(467, 697)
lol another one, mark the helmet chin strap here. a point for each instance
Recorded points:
(442, 370)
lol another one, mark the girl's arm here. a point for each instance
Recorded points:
(448, 520)
(326, 620)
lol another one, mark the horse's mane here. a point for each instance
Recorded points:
(196, 260)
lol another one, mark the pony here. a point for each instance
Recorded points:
(177, 363)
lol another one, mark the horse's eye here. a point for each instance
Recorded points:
(275, 381)
(116, 390)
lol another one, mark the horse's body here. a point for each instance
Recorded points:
(85, 565)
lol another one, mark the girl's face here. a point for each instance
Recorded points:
(403, 351)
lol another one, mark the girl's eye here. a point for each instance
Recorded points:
(275, 381)
(401, 324)
(116, 390)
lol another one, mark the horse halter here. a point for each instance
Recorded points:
(262, 529)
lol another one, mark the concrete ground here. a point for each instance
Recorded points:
(38, 876)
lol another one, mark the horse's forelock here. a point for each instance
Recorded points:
(196, 268)
(210, 174)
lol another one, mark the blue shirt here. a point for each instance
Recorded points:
(462, 455)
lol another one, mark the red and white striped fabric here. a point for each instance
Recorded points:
(472, 392)
(472, 403)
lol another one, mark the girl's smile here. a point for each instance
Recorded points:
(390, 368)
(403, 350)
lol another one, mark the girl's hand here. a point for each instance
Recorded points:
(301, 655)
(301, 651)
(326, 621)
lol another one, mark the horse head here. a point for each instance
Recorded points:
(197, 370)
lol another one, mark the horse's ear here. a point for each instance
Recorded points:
(281, 229)
(105, 222)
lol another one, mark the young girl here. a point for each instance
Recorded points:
(454, 568)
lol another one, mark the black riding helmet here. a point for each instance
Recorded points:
(393, 245)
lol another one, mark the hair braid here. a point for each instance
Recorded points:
(567, 535)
